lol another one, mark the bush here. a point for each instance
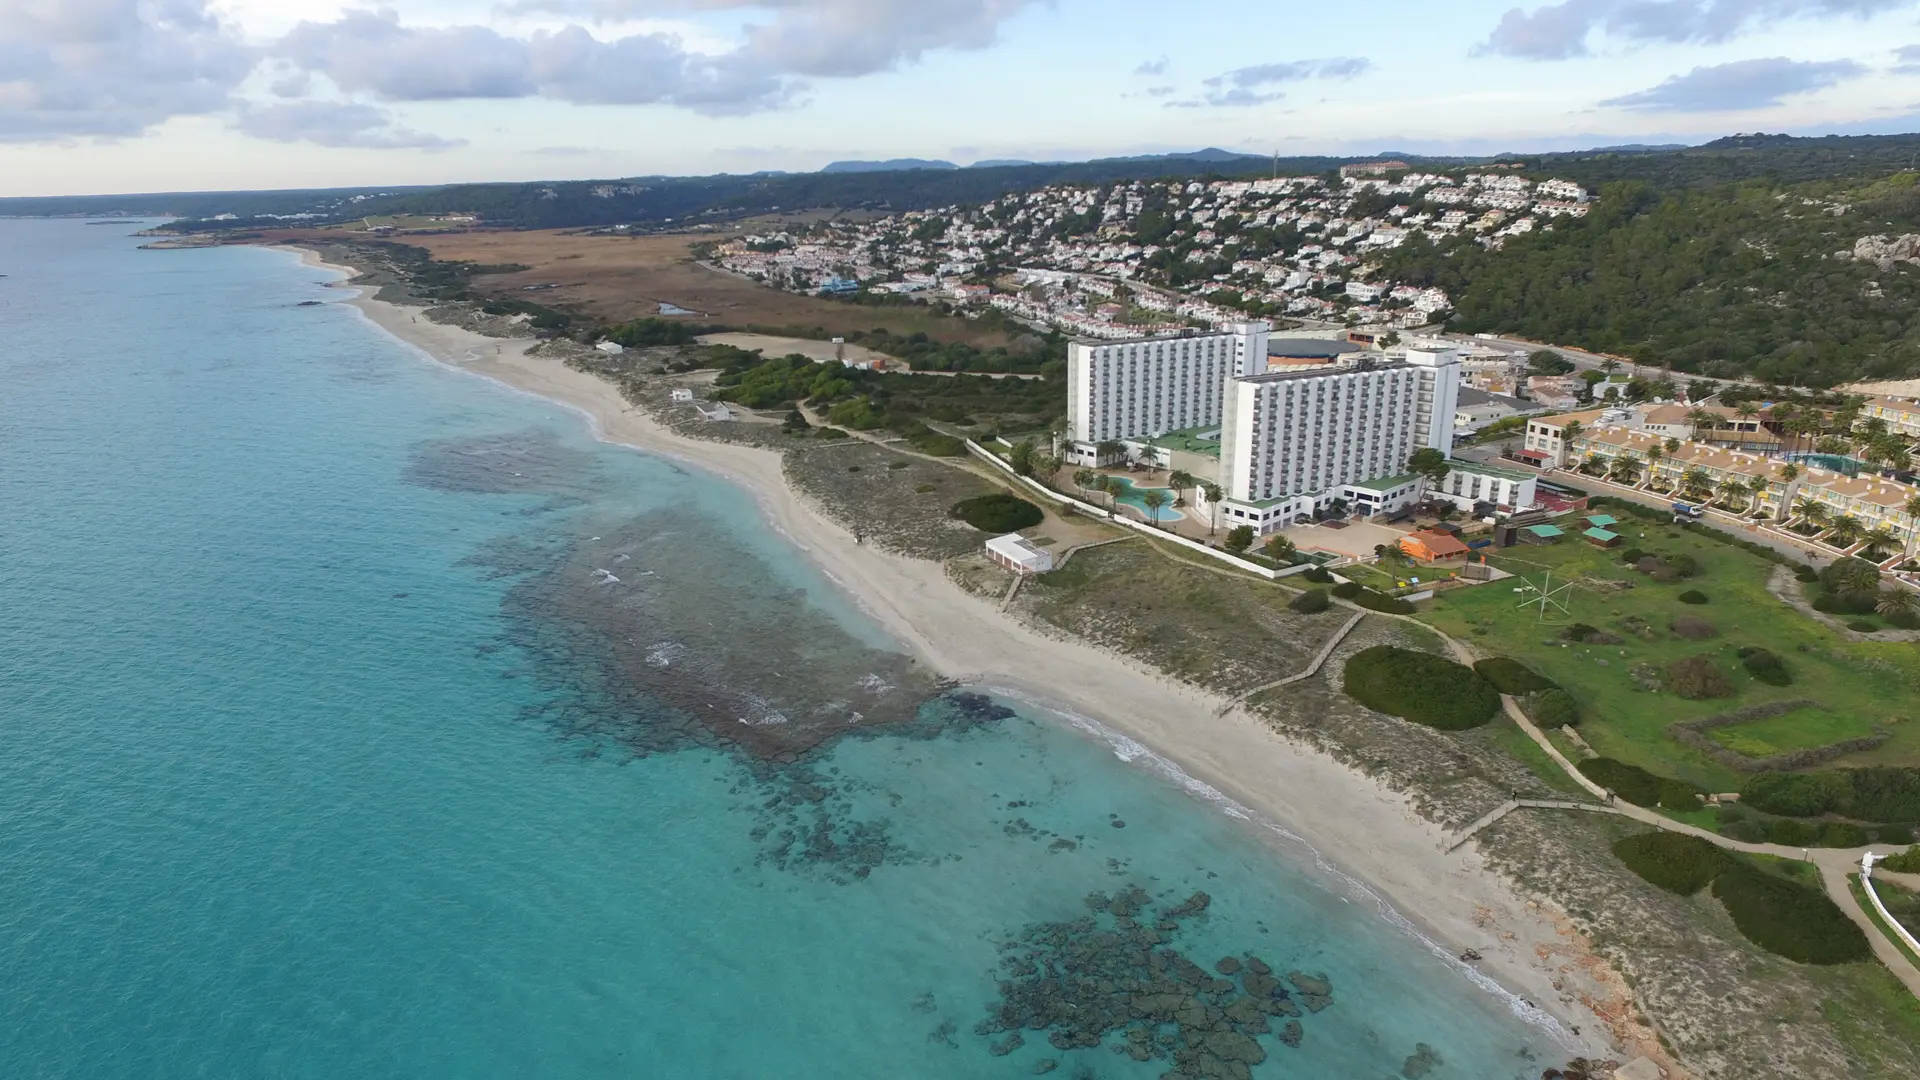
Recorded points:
(998, 513)
(1239, 539)
(1510, 676)
(1374, 601)
(1692, 596)
(1698, 678)
(925, 489)
(1683, 564)
(1789, 919)
(899, 464)
(1904, 620)
(1894, 834)
(1843, 835)
(934, 444)
(1797, 794)
(1790, 833)
(1863, 626)
(1806, 574)
(1420, 687)
(1632, 556)
(1318, 575)
(1311, 602)
(1673, 861)
(1766, 666)
(1553, 708)
(1640, 787)
(830, 433)
(1747, 832)
(1589, 635)
(1693, 628)
(1347, 590)
(1907, 862)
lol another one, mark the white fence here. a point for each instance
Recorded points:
(1866, 884)
(1056, 497)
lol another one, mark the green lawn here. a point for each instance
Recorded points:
(1858, 686)
(1797, 730)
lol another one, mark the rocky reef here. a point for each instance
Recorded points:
(1116, 977)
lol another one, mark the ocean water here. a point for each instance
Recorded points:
(361, 718)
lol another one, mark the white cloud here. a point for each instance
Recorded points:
(112, 68)
(336, 124)
(1563, 30)
(1744, 84)
(1242, 87)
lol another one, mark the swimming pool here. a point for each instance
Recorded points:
(1135, 496)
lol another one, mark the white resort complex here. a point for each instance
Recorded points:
(1281, 443)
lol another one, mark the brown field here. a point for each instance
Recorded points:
(617, 278)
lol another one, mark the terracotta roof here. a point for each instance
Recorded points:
(1861, 488)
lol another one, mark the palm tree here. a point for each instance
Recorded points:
(1702, 419)
(1597, 465)
(1180, 480)
(1697, 483)
(1153, 499)
(1854, 577)
(1111, 485)
(1085, 479)
(1109, 450)
(1747, 410)
(1896, 602)
(1625, 471)
(1609, 365)
(1880, 540)
(1733, 488)
(1912, 510)
(1673, 446)
(1813, 513)
(1845, 532)
(1655, 453)
(1152, 454)
(1213, 493)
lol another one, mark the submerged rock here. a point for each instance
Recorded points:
(1420, 1062)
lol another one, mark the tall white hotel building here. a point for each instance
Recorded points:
(1288, 441)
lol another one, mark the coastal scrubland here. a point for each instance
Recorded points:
(617, 278)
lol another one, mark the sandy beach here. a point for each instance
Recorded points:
(1354, 827)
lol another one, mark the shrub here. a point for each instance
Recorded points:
(1863, 626)
(1692, 596)
(1806, 574)
(1318, 575)
(1784, 917)
(1766, 666)
(1904, 620)
(1552, 708)
(1589, 635)
(934, 444)
(1797, 794)
(1311, 602)
(1884, 793)
(998, 513)
(1374, 601)
(925, 489)
(1420, 687)
(1842, 834)
(1693, 628)
(1673, 861)
(1683, 564)
(1632, 556)
(1510, 676)
(1347, 590)
(830, 433)
(1640, 787)
(1239, 539)
(1907, 862)
(1747, 832)
(1894, 834)
(1790, 833)
(1698, 678)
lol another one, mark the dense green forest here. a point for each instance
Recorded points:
(1740, 279)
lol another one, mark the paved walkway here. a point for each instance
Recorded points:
(1312, 669)
(1834, 864)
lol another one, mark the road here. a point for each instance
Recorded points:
(1586, 361)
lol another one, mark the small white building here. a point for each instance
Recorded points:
(1019, 554)
(683, 395)
(611, 348)
(716, 412)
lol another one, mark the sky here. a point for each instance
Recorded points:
(112, 96)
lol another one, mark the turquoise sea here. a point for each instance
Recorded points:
(361, 719)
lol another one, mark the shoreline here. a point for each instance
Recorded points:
(1352, 828)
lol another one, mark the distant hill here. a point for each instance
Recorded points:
(895, 165)
(1000, 163)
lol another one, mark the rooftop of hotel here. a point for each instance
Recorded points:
(1194, 440)
(1319, 371)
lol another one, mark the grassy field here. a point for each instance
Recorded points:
(1858, 686)
(617, 278)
